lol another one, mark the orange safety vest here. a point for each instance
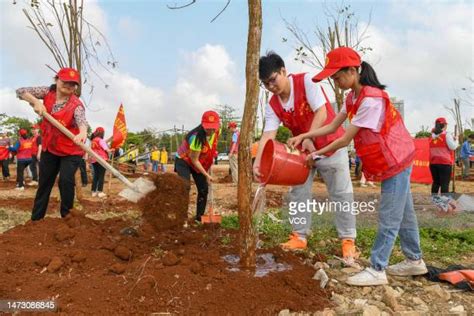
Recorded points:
(300, 119)
(386, 153)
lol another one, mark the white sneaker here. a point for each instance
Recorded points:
(94, 194)
(101, 195)
(368, 277)
(20, 188)
(363, 185)
(33, 183)
(408, 267)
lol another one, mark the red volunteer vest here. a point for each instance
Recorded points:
(440, 154)
(388, 152)
(95, 145)
(300, 119)
(4, 144)
(54, 140)
(34, 148)
(24, 151)
(206, 157)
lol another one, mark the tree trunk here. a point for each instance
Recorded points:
(247, 232)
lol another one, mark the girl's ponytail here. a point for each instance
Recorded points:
(438, 129)
(368, 77)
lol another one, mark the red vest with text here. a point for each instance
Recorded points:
(54, 140)
(4, 144)
(386, 153)
(440, 154)
(95, 146)
(24, 151)
(34, 148)
(300, 119)
(206, 157)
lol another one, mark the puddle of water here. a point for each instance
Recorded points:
(265, 264)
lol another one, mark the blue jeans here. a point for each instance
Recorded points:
(396, 217)
(154, 165)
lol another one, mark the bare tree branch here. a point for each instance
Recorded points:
(225, 7)
(175, 7)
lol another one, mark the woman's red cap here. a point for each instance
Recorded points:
(210, 120)
(99, 130)
(441, 120)
(337, 59)
(69, 75)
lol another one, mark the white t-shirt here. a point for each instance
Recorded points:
(371, 113)
(314, 96)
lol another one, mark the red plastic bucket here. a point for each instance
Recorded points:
(279, 166)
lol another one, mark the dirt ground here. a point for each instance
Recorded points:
(109, 259)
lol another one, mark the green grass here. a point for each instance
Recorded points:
(440, 245)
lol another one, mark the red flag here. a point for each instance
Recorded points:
(120, 129)
(421, 165)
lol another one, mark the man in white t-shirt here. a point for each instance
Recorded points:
(300, 104)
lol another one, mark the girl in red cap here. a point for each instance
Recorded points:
(442, 146)
(100, 147)
(60, 154)
(196, 155)
(386, 150)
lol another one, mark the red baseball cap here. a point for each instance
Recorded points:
(23, 132)
(99, 130)
(69, 75)
(441, 120)
(337, 59)
(210, 120)
(232, 125)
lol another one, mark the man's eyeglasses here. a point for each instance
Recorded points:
(271, 80)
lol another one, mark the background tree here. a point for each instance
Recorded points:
(424, 132)
(342, 29)
(71, 39)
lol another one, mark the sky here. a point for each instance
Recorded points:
(175, 64)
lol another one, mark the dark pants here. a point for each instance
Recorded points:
(5, 169)
(82, 168)
(49, 167)
(33, 167)
(357, 169)
(441, 175)
(20, 170)
(98, 180)
(185, 171)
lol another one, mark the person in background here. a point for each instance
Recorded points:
(155, 158)
(60, 154)
(254, 149)
(466, 154)
(357, 166)
(234, 150)
(195, 156)
(163, 159)
(100, 147)
(5, 155)
(35, 154)
(23, 149)
(147, 159)
(442, 146)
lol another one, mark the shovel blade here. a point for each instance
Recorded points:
(142, 187)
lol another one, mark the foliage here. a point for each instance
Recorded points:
(283, 134)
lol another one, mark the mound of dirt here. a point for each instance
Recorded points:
(98, 270)
(225, 179)
(167, 206)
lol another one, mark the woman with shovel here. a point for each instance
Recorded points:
(60, 154)
(196, 155)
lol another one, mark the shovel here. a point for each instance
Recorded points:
(134, 192)
(211, 217)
